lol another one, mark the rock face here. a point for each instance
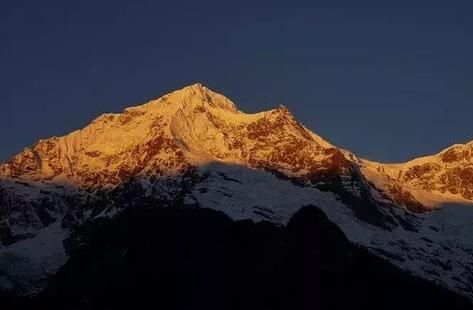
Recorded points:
(193, 147)
(431, 180)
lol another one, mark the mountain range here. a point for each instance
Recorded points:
(194, 148)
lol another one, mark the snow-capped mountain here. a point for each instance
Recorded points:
(431, 180)
(166, 136)
(194, 147)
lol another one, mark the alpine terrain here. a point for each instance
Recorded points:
(256, 180)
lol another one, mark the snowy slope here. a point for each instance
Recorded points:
(26, 264)
(446, 177)
(440, 250)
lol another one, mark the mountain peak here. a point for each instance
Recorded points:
(283, 110)
(196, 88)
(186, 127)
(198, 95)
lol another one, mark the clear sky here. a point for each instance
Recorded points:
(389, 80)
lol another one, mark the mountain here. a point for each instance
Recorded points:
(431, 180)
(184, 129)
(193, 148)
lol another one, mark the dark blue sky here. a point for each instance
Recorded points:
(390, 80)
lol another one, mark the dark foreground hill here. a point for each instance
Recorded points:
(182, 258)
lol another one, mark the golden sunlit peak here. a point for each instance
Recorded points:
(201, 95)
(196, 88)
